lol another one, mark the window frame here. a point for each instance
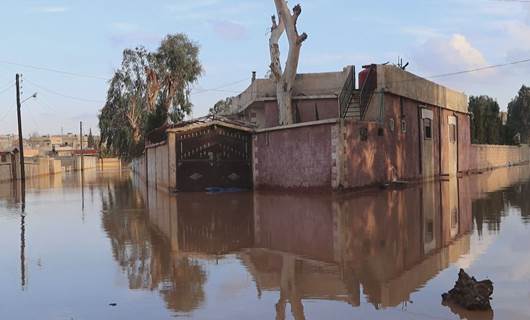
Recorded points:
(425, 131)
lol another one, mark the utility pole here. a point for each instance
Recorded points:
(81, 139)
(20, 140)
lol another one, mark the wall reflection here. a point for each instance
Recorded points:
(380, 245)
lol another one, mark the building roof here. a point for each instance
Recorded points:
(394, 80)
(306, 86)
(210, 121)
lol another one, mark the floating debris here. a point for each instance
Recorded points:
(469, 293)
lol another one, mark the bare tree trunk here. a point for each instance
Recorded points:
(134, 121)
(285, 80)
(153, 89)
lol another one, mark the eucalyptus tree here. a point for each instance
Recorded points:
(148, 90)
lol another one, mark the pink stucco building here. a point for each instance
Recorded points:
(391, 125)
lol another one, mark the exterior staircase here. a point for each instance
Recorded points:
(354, 102)
(354, 109)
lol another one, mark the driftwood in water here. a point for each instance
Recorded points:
(469, 293)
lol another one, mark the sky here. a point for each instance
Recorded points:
(85, 40)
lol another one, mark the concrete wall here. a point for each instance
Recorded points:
(42, 166)
(489, 157)
(73, 163)
(6, 172)
(352, 154)
(309, 84)
(156, 167)
(108, 163)
(265, 114)
(393, 80)
(294, 157)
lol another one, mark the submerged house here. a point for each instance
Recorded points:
(389, 125)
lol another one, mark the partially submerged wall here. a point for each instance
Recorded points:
(6, 172)
(490, 156)
(154, 166)
(354, 154)
(108, 163)
(294, 156)
(42, 167)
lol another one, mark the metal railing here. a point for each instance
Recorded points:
(368, 89)
(346, 95)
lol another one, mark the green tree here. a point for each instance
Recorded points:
(519, 116)
(220, 107)
(147, 91)
(486, 126)
(90, 140)
(177, 65)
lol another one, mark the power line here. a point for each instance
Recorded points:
(7, 113)
(443, 75)
(7, 88)
(64, 95)
(221, 87)
(68, 73)
(213, 90)
(457, 73)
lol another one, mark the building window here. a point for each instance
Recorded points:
(363, 133)
(3, 158)
(404, 126)
(380, 132)
(391, 124)
(452, 133)
(427, 128)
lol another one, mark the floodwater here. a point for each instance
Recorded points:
(104, 246)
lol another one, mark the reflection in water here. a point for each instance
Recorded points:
(387, 244)
(145, 254)
(362, 252)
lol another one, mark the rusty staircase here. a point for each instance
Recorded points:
(354, 102)
(353, 111)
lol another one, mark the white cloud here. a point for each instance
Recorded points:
(50, 9)
(450, 54)
(469, 55)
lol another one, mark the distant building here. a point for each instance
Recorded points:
(7, 142)
(62, 145)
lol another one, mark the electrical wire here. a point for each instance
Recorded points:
(2, 118)
(443, 75)
(68, 73)
(7, 88)
(64, 95)
(457, 73)
(200, 91)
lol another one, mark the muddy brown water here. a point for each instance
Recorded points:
(104, 246)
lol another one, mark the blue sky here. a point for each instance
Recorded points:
(87, 37)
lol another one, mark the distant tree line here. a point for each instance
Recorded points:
(148, 91)
(487, 125)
